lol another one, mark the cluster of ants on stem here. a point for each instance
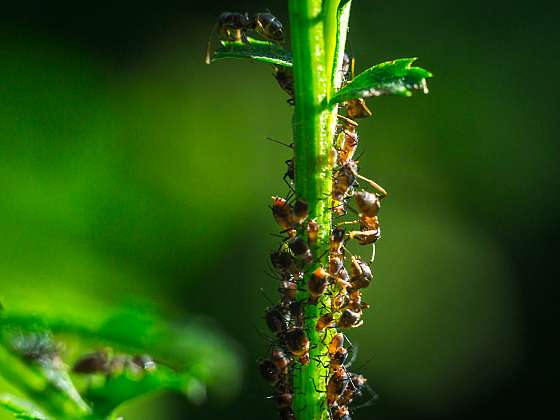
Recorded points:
(343, 280)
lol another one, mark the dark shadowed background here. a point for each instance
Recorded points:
(130, 170)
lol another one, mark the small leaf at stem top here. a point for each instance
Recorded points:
(253, 49)
(397, 77)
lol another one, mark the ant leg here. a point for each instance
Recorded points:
(208, 58)
(372, 184)
(347, 120)
(372, 254)
(373, 398)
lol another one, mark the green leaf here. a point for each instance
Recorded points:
(253, 49)
(37, 349)
(396, 77)
(20, 408)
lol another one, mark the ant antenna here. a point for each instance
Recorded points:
(291, 146)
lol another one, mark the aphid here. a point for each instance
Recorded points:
(317, 284)
(350, 319)
(286, 413)
(361, 274)
(337, 241)
(357, 108)
(269, 371)
(347, 142)
(343, 181)
(337, 385)
(300, 212)
(282, 212)
(340, 412)
(281, 360)
(284, 399)
(297, 343)
(97, 362)
(324, 322)
(288, 290)
(275, 320)
(285, 78)
(336, 342)
(297, 312)
(355, 301)
(338, 358)
(312, 232)
(300, 249)
(283, 262)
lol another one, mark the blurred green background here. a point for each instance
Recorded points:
(129, 170)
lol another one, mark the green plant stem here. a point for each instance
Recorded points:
(316, 40)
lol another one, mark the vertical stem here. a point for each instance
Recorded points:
(317, 45)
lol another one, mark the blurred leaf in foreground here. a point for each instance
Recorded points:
(21, 409)
(187, 357)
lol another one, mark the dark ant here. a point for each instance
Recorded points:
(285, 78)
(103, 362)
(289, 176)
(97, 362)
(234, 26)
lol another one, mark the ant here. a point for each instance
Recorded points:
(234, 26)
